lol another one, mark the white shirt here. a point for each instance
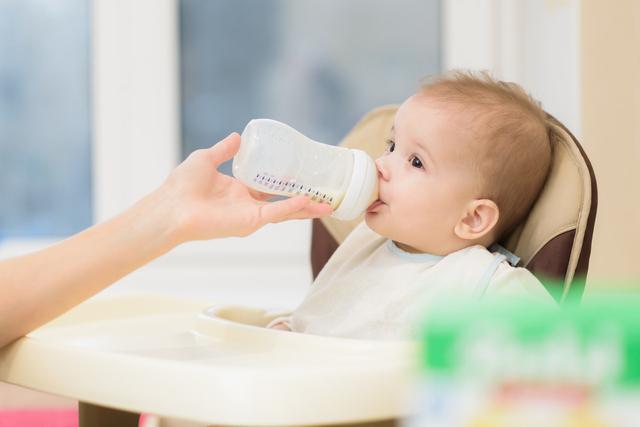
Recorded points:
(370, 288)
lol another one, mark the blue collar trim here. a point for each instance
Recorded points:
(418, 257)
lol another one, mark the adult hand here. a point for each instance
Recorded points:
(208, 204)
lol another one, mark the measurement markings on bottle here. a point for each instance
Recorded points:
(272, 183)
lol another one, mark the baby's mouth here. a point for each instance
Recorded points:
(375, 205)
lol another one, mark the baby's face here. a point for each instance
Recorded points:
(425, 178)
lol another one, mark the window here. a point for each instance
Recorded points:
(170, 76)
(316, 65)
(45, 147)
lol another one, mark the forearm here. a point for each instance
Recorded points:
(40, 286)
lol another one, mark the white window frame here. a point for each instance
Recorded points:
(135, 100)
(534, 43)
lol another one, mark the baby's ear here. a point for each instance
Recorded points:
(478, 220)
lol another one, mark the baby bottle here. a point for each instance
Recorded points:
(277, 159)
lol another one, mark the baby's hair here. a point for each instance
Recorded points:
(512, 136)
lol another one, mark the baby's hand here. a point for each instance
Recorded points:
(282, 326)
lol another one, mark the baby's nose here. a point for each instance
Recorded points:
(383, 172)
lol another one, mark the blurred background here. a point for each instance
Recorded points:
(100, 99)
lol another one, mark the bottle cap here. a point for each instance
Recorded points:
(362, 187)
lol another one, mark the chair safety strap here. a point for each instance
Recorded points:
(511, 258)
(489, 272)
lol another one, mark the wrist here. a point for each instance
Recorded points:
(158, 212)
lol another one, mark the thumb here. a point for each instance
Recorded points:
(225, 149)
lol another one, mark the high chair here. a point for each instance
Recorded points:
(123, 355)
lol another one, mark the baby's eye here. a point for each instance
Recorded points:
(416, 162)
(391, 145)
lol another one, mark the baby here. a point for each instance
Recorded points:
(466, 159)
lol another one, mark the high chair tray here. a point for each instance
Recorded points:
(155, 354)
